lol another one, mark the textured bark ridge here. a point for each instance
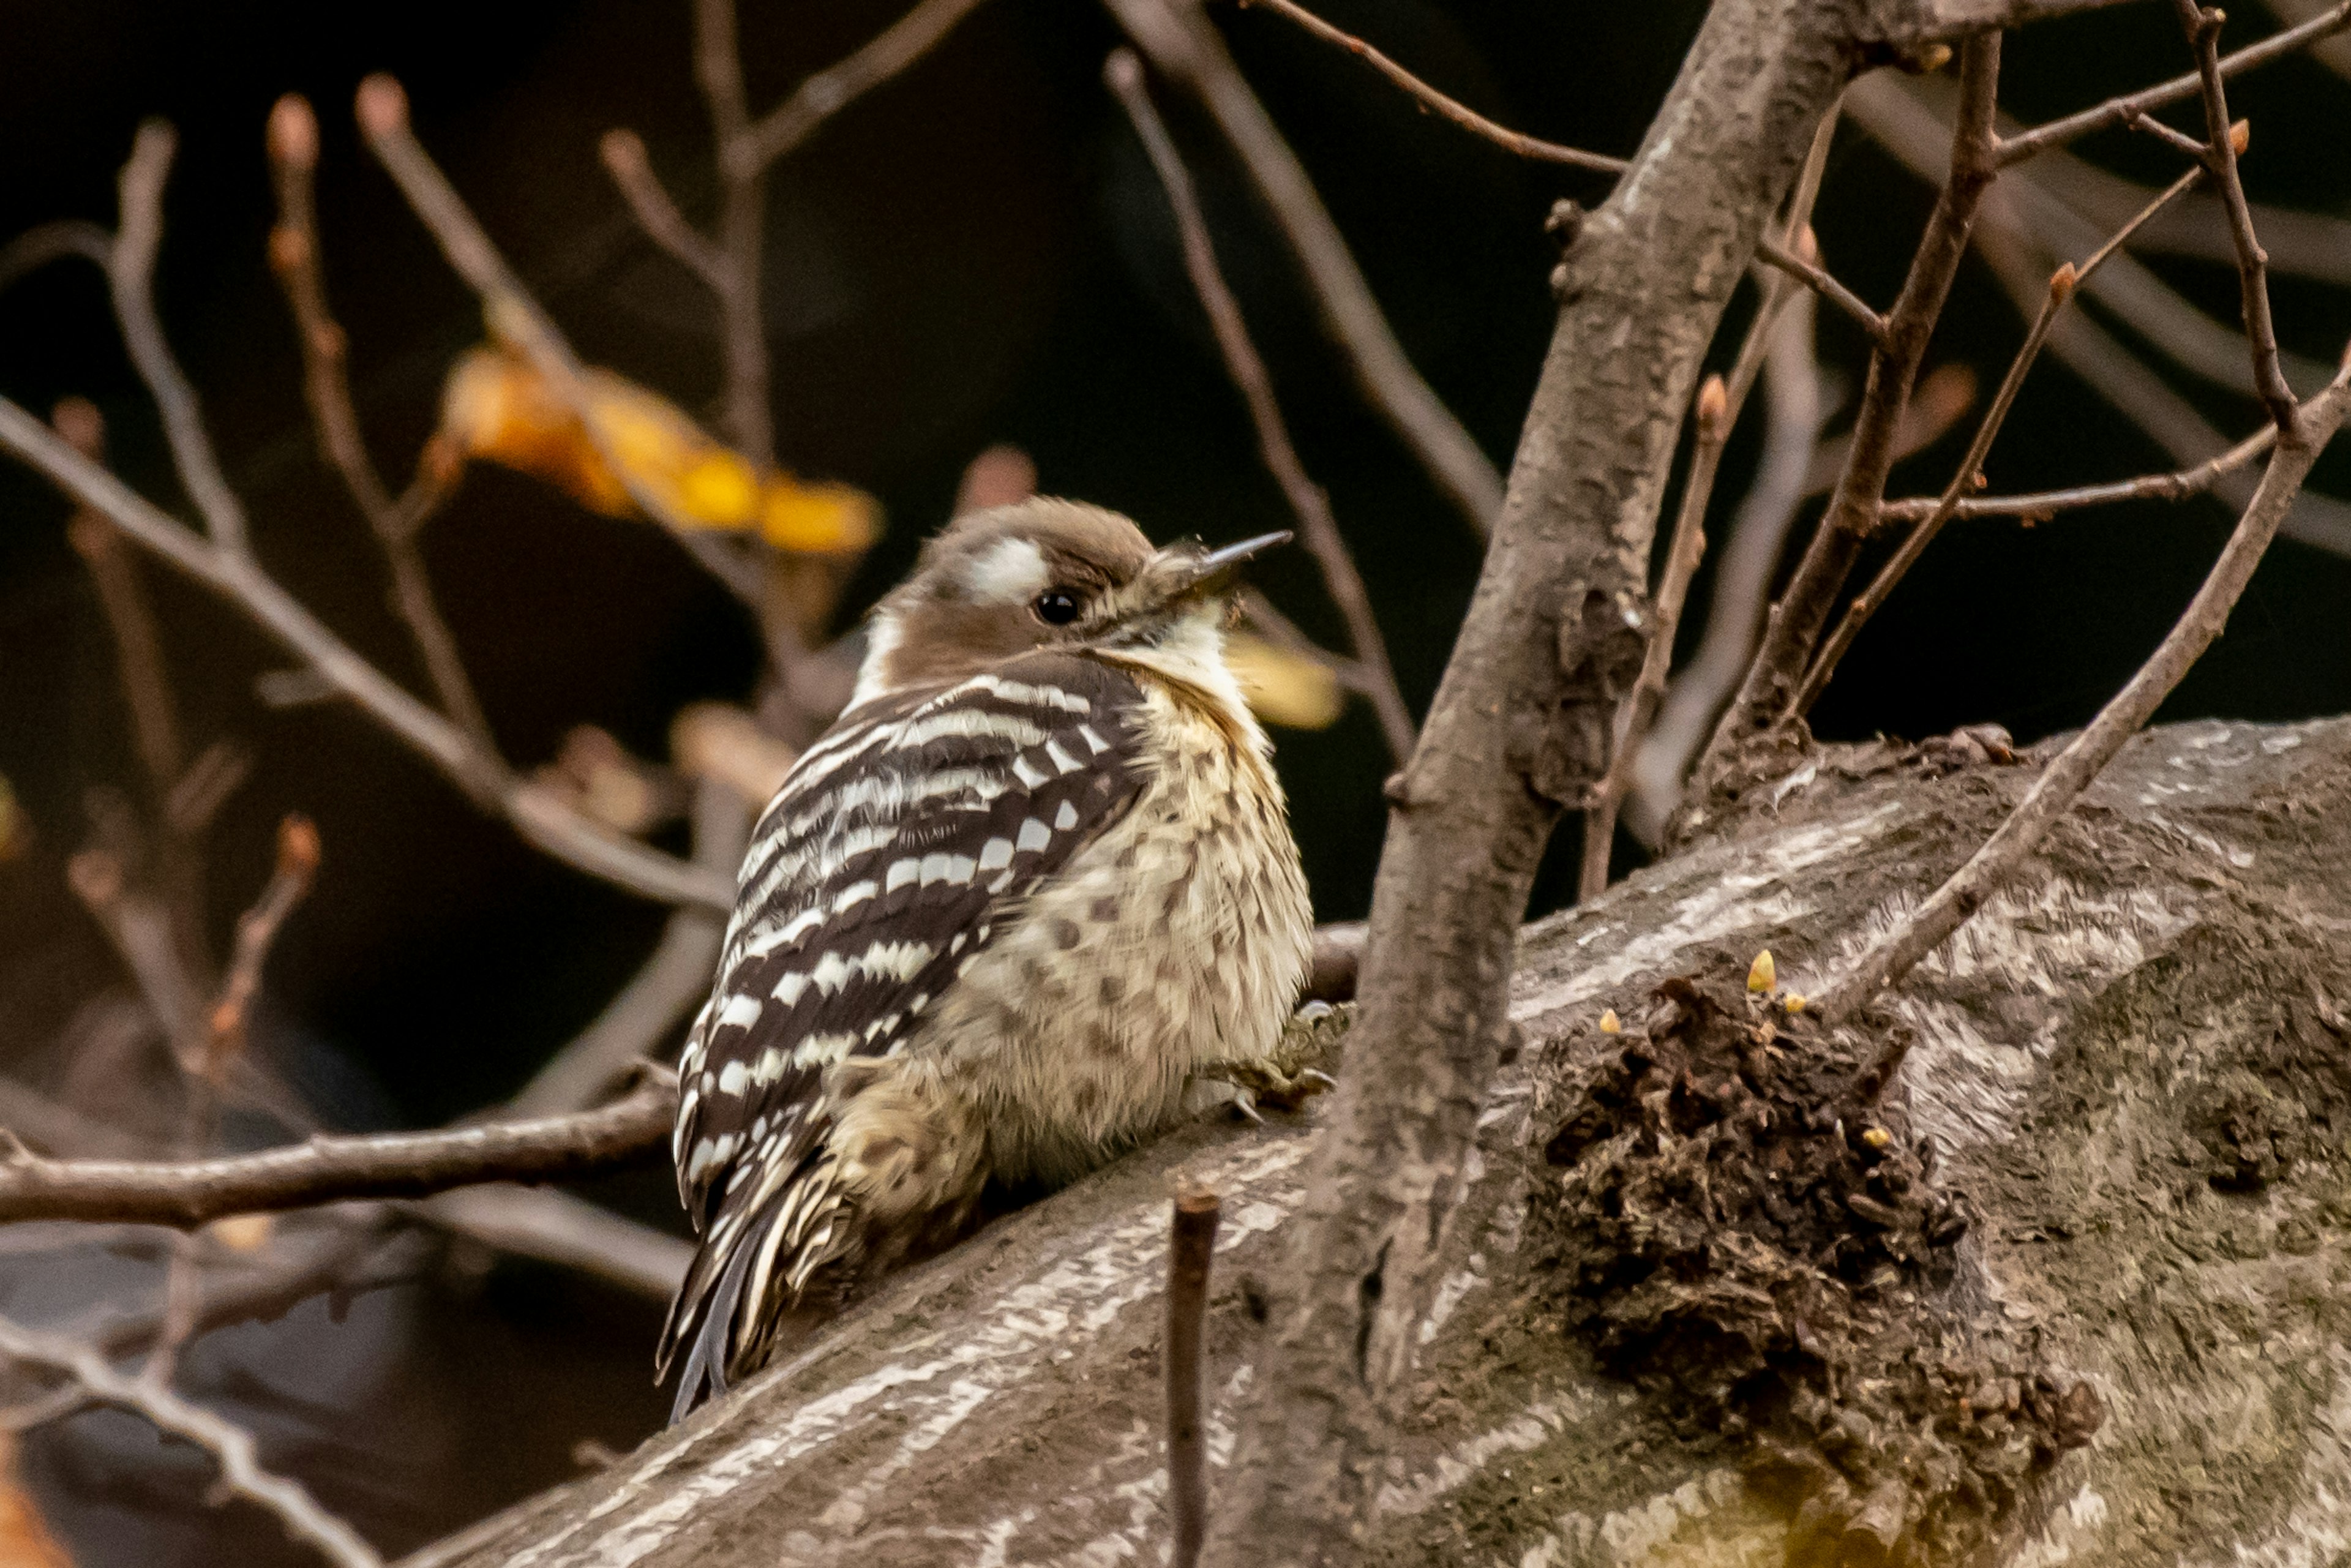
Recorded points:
(2136, 1065)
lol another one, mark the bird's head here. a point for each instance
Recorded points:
(1049, 574)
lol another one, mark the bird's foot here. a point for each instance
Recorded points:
(1294, 1071)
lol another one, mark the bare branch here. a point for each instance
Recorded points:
(2223, 144)
(1459, 113)
(1718, 404)
(1803, 608)
(623, 152)
(1519, 731)
(1191, 1251)
(1308, 499)
(2300, 441)
(545, 821)
(1796, 405)
(45, 243)
(294, 256)
(2063, 284)
(132, 278)
(749, 418)
(2121, 111)
(256, 930)
(331, 1169)
(230, 1446)
(1816, 276)
(1182, 46)
(2173, 486)
(554, 1227)
(825, 94)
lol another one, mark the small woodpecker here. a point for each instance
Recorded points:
(1035, 880)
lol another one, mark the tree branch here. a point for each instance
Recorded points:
(2221, 146)
(132, 274)
(2121, 111)
(1183, 47)
(1520, 728)
(542, 820)
(1803, 608)
(1451, 109)
(230, 1446)
(294, 256)
(331, 1169)
(1715, 421)
(2173, 486)
(1306, 499)
(2300, 441)
(2063, 286)
(623, 152)
(825, 94)
(1191, 1252)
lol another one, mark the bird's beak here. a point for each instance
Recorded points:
(1196, 574)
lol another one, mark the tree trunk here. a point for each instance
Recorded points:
(2135, 1066)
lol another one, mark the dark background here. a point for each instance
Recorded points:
(976, 252)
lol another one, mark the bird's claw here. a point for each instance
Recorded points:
(1284, 1077)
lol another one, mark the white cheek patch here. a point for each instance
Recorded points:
(1009, 572)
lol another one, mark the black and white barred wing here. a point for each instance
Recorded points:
(877, 872)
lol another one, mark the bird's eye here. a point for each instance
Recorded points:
(1056, 608)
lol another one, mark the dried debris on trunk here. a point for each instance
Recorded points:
(1739, 1217)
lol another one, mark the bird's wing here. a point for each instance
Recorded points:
(897, 844)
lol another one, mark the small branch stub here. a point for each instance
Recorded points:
(1191, 1247)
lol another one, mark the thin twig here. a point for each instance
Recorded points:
(825, 94)
(1345, 584)
(1796, 622)
(230, 1446)
(257, 929)
(541, 819)
(1459, 113)
(2177, 486)
(294, 256)
(516, 317)
(2009, 237)
(1191, 1249)
(624, 156)
(2121, 111)
(1183, 46)
(38, 246)
(2063, 284)
(147, 692)
(1796, 405)
(331, 1169)
(1717, 410)
(132, 278)
(2221, 146)
(2178, 140)
(742, 233)
(1818, 278)
(1926, 928)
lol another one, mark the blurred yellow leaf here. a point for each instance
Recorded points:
(1285, 688)
(497, 407)
(24, 1540)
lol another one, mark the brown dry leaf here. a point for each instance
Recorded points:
(1284, 688)
(496, 406)
(24, 1540)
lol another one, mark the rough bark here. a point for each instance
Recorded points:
(2136, 1063)
(1519, 731)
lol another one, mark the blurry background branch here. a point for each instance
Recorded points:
(1182, 46)
(1308, 499)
